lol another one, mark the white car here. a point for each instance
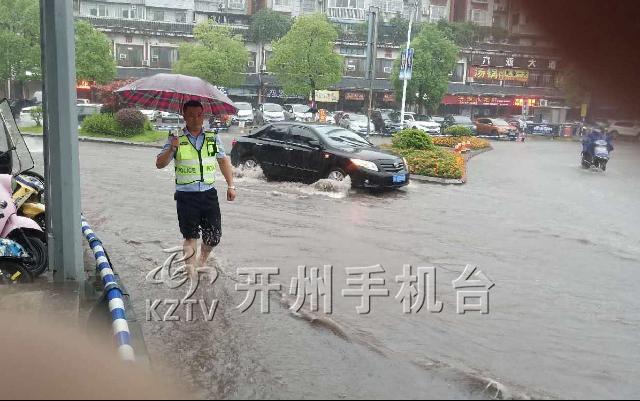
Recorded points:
(625, 128)
(298, 112)
(270, 113)
(152, 115)
(356, 123)
(245, 112)
(424, 124)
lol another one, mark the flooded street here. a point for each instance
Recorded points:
(561, 244)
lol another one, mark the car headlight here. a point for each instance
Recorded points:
(365, 164)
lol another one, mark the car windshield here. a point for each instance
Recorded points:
(339, 137)
(243, 106)
(300, 108)
(462, 120)
(272, 107)
(499, 121)
(423, 118)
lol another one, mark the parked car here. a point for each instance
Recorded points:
(297, 112)
(464, 121)
(269, 113)
(424, 123)
(152, 115)
(496, 127)
(310, 152)
(356, 123)
(245, 113)
(625, 128)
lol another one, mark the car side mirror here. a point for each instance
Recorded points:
(315, 144)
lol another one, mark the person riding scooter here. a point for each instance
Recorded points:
(589, 141)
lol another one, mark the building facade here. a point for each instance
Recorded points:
(489, 79)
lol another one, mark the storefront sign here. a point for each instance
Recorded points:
(499, 74)
(497, 60)
(357, 96)
(327, 96)
(389, 97)
(478, 100)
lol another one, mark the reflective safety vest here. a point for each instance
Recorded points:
(196, 166)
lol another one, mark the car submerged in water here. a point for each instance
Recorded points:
(308, 152)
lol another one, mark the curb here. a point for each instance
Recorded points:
(107, 141)
(450, 181)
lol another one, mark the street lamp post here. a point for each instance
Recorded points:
(404, 85)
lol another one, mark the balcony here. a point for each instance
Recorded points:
(128, 26)
(526, 30)
(347, 14)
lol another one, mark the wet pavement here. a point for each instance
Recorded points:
(561, 244)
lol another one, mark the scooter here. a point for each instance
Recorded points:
(599, 158)
(22, 230)
(26, 232)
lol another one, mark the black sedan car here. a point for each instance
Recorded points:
(465, 121)
(310, 152)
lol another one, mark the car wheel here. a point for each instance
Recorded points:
(250, 164)
(336, 174)
(494, 133)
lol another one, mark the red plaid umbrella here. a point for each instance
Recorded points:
(168, 92)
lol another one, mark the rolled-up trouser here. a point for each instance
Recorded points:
(199, 212)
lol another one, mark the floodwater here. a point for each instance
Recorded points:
(561, 244)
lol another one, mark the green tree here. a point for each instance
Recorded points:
(576, 87)
(304, 60)
(218, 56)
(268, 26)
(434, 59)
(94, 57)
(19, 40)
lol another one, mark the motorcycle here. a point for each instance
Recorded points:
(598, 158)
(15, 159)
(13, 259)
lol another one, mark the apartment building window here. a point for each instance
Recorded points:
(156, 15)
(352, 51)
(346, 4)
(236, 4)
(93, 11)
(437, 13)
(163, 57)
(547, 80)
(129, 55)
(282, 3)
(354, 67)
(181, 16)
(479, 17)
(103, 11)
(458, 72)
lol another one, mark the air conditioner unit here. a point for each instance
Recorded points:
(543, 103)
(145, 63)
(351, 67)
(123, 56)
(155, 57)
(387, 70)
(134, 7)
(251, 64)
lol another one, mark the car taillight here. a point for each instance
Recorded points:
(233, 143)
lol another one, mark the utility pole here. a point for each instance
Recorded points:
(372, 55)
(404, 85)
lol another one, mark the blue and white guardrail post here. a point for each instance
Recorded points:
(114, 294)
